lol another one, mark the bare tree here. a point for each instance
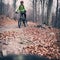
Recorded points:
(58, 23)
(1, 7)
(56, 15)
(33, 12)
(43, 3)
(49, 12)
(14, 6)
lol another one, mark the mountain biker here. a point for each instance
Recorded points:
(22, 11)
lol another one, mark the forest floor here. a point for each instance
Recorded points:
(42, 41)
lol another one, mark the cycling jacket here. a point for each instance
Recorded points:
(21, 9)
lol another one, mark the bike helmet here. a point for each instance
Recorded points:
(21, 2)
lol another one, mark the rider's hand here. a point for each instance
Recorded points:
(16, 12)
(25, 11)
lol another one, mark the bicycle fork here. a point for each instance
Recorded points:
(19, 23)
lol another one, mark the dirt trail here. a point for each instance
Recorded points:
(28, 40)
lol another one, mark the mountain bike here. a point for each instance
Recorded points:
(22, 19)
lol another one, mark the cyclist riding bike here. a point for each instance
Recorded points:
(22, 11)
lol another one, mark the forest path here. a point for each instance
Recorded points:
(14, 26)
(8, 27)
(28, 40)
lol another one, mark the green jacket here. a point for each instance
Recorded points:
(21, 8)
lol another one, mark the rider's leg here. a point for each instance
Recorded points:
(24, 23)
(25, 18)
(25, 15)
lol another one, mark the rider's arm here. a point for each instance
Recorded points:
(18, 9)
(24, 9)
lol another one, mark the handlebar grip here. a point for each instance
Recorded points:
(16, 12)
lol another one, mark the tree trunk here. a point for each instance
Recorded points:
(43, 2)
(49, 12)
(14, 6)
(58, 23)
(33, 12)
(56, 15)
(38, 5)
(0, 7)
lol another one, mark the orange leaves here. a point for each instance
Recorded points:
(30, 40)
(35, 41)
(44, 42)
(6, 21)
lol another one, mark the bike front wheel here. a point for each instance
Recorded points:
(19, 23)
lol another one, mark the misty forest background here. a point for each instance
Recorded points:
(40, 11)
